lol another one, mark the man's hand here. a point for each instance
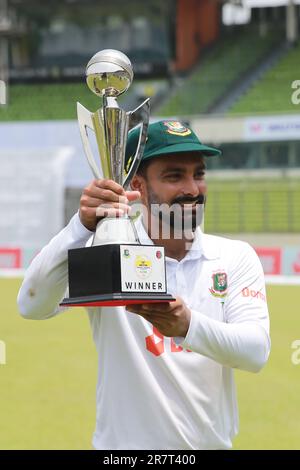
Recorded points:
(170, 318)
(102, 198)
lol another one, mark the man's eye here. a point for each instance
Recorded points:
(200, 174)
(173, 176)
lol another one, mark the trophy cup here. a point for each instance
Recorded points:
(116, 270)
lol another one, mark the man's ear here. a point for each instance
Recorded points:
(138, 184)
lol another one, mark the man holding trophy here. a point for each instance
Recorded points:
(165, 301)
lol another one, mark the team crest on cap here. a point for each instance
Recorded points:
(177, 128)
(219, 287)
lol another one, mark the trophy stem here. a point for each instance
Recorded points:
(116, 124)
(115, 230)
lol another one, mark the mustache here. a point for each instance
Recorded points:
(201, 199)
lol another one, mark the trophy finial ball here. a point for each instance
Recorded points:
(109, 72)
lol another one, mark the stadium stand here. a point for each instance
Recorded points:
(32, 102)
(220, 69)
(272, 93)
(253, 206)
(45, 101)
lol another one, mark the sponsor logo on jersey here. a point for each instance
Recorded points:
(255, 294)
(219, 287)
(177, 128)
(143, 266)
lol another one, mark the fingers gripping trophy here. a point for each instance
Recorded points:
(116, 270)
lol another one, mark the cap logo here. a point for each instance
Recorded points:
(176, 128)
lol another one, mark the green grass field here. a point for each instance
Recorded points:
(47, 398)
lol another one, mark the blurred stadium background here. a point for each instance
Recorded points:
(231, 69)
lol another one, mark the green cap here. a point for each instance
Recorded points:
(166, 137)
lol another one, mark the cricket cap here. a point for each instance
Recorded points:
(166, 138)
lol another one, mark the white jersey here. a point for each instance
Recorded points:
(164, 393)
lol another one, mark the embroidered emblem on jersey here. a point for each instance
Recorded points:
(176, 128)
(219, 287)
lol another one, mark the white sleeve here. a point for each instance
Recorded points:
(46, 280)
(242, 340)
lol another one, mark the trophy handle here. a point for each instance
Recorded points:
(141, 113)
(85, 120)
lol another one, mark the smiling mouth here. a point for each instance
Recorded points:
(189, 204)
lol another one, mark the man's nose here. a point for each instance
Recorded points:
(193, 187)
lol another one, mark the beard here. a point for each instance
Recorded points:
(182, 214)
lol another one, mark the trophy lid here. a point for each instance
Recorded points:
(109, 72)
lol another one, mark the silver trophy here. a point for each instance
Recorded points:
(116, 269)
(109, 74)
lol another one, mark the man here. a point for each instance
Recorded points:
(165, 378)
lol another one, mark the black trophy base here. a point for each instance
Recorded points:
(95, 279)
(115, 300)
